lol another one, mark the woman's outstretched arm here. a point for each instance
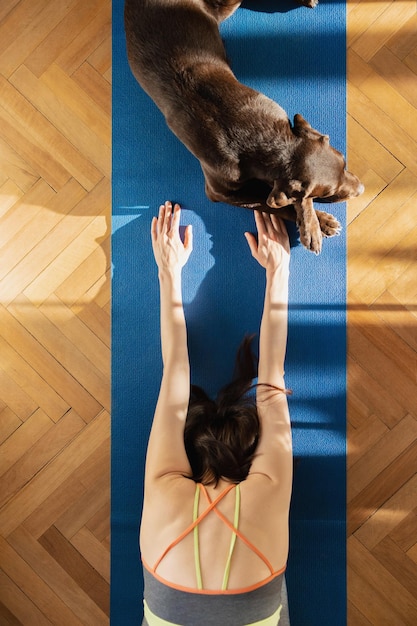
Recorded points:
(166, 452)
(273, 253)
(274, 453)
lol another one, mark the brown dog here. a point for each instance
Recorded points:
(250, 154)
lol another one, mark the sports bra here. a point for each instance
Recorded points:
(193, 527)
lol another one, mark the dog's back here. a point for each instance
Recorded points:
(177, 55)
(169, 43)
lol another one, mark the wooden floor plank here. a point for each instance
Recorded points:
(39, 454)
(30, 33)
(89, 271)
(23, 439)
(399, 77)
(25, 376)
(380, 28)
(376, 397)
(393, 95)
(23, 504)
(15, 169)
(54, 505)
(382, 128)
(77, 333)
(62, 35)
(51, 340)
(402, 603)
(94, 552)
(15, 399)
(16, 15)
(383, 162)
(76, 517)
(20, 268)
(24, 577)
(370, 599)
(386, 500)
(403, 40)
(75, 249)
(394, 511)
(70, 559)
(381, 455)
(39, 359)
(404, 533)
(47, 96)
(397, 563)
(19, 604)
(52, 573)
(95, 85)
(87, 40)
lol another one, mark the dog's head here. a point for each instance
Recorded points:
(318, 171)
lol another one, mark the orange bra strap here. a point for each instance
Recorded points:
(212, 505)
(237, 531)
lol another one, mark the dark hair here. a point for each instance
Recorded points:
(221, 435)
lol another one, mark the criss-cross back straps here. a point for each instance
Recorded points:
(212, 504)
(232, 540)
(236, 530)
(187, 531)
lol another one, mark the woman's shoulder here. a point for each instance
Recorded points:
(261, 495)
(167, 510)
(169, 492)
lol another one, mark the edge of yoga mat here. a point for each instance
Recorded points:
(297, 57)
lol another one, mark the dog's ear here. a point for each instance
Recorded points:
(277, 199)
(284, 194)
(303, 129)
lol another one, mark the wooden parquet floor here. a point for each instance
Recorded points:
(55, 143)
(55, 76)
(382, 331)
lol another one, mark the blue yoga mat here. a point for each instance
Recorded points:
(297, 57)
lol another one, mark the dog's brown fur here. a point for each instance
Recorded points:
(250, 153)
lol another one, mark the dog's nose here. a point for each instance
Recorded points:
(360, 190)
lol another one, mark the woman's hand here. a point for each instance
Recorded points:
(272, 249)
(169, 251)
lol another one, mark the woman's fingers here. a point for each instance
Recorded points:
(278, 224)
(167, 224)
(175, 219)
(268, 224)
(253, 244)
(164, 219)
(160, 219)
(260, 223)
(154, 229)
(281, 232)
(167, 216)
(188, 238)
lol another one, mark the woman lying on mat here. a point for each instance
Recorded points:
(214, 531)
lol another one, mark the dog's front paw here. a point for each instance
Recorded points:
(311, 238)
(329, 225)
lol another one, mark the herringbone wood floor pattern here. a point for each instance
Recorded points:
(55, 104)
(55, 312)
(382, 333)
